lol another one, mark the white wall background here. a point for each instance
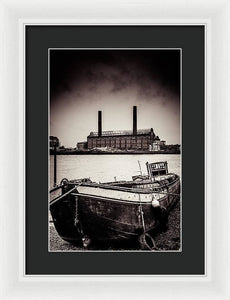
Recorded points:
(217, 15)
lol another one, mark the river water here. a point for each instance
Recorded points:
(104, 168)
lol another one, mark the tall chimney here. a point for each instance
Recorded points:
(99, 124)
(134, 120)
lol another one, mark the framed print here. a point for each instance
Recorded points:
(193, 265)
(103, 209)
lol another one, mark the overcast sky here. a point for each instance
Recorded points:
(85, 81)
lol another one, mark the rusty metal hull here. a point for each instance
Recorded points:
(102, 218)
(63, 214)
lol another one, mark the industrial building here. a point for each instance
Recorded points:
(136, 139)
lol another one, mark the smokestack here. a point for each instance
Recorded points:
(99, 124)
(134, 120)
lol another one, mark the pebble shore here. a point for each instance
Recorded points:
(165, 241)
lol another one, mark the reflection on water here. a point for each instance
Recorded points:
(106, 167)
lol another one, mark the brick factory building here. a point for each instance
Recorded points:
(136, 139)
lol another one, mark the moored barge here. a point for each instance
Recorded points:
(83, 210)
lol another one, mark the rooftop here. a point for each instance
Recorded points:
(120, 132)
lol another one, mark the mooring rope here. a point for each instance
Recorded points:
(142, 214)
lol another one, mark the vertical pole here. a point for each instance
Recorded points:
(55, 165)
(140, 167)
(147, 166)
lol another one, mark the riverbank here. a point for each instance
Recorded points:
(118, 152)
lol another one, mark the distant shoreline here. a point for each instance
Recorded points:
(111, 153)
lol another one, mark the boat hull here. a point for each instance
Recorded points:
(102, 218)
(64, 219)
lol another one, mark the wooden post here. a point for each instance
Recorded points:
(55, 165)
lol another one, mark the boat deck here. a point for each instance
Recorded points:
(144, 191)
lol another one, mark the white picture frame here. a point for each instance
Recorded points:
(215, 15)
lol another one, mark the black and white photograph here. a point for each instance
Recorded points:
(115, 152)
